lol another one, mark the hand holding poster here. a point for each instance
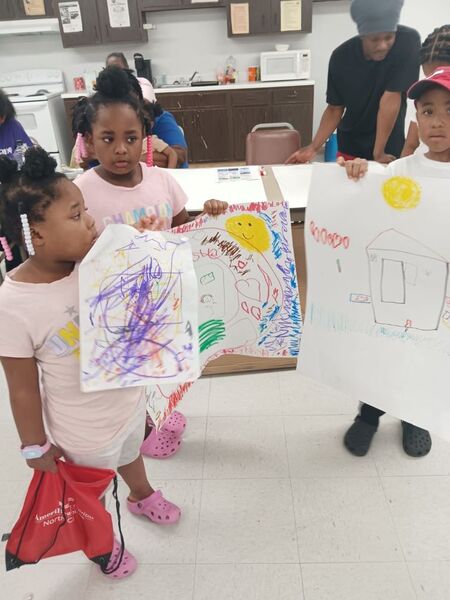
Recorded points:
(377, 322)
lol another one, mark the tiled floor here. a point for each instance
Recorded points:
(273, 507)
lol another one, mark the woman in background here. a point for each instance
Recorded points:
(11, 134)
(11, 131)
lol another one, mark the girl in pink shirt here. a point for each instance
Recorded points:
(112, 125)
(39, 343)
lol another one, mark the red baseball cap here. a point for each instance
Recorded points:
(440, 76)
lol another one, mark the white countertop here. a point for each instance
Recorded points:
(248, 85)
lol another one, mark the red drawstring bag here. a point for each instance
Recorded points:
(62, 513)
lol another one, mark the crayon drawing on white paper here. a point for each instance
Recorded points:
(138, 310)
(248, 294)
(377, 321)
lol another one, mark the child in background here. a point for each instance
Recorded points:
(435, 52)
(11, 131)
(81, 156)
(39, 344)
(432, 100)
(157, 145)
(122, 190)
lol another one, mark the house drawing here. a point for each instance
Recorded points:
(408, 282)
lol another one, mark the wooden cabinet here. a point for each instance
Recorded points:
(259, 16)
(207, 134)
(214, 136)
(134, 33)
(153, 5)
(295, 106)
(216, 123)
(204, 117)
(149, 5)
(190, 4)
(7, 10)
(249, 107)
(90, 33)
(265, 17)
(96, 25)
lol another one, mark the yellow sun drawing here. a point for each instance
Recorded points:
(402, 193)
(249, 231)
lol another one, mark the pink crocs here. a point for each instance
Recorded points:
(125, 568)
(175, 423)
(156, 508)
(160, 444)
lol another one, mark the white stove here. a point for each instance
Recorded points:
(36, 96)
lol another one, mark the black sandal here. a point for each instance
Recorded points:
(358, 438)
(416, 441)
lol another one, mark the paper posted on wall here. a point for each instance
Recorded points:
(377, 323)
(119, 13)
(70, 14)
(34, 8)
(291, 15)
(240, 18)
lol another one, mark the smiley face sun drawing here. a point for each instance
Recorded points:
(249, 231)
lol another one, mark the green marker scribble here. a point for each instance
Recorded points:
(211, 332)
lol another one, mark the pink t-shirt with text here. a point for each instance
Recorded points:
(158, 195)
(42, 321)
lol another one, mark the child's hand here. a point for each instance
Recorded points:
(356, 168)
(214, 208)
(151, 223)
(47, 461)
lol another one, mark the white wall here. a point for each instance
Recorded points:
(185, 41)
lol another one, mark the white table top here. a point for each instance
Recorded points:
(202, 184)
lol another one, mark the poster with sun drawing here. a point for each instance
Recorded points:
(248, 295)
(377, 322)
(138, 310)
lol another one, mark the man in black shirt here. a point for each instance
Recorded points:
(368, 78)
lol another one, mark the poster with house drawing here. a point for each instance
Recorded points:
(377, 322)
(248, 295)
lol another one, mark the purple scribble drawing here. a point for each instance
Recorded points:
(137, 317)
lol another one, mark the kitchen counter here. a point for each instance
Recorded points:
(248, 85)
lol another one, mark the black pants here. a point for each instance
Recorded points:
(370, 414)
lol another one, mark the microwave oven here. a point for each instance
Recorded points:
(287, 65)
